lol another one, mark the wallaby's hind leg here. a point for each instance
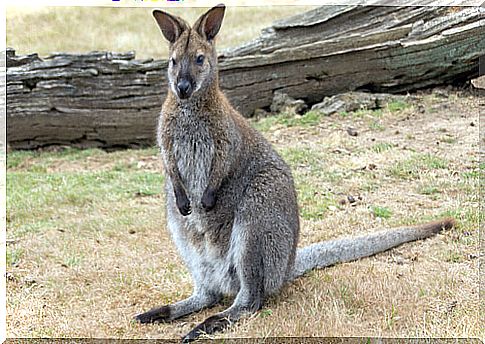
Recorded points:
(221, 321)
(248, 300)
(261, 263)
(194, 303)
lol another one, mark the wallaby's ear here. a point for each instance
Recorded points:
(171, 26)
(208, 24)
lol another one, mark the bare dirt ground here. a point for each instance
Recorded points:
(88, 247)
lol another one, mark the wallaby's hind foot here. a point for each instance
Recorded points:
(219, 322)
(179, 309)
(154, 315)
(211, 325)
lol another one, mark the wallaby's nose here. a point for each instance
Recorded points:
(184, 88)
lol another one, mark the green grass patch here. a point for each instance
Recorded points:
(376, 125)
(310, 175)
(397, 105)
(314, 117)
(428, 190)
(302, 156)
(16, 158)
(344, 114)
(310, 118)
(471, 174)
(375, 113)
(382, 212)
(41, 161)
(77, 188)
(23, 225)
(38, 159)
(13, 256)
(37, 201)
(381, 147)
(466, 217)
(286, 120)
(475, 172)
(265, 124)
(73, 261)
(311, 162)
(448, 139)
(412, 167)
(454, 257)
(313, 200)
(361, 113)
(264, 313)
(392, 317)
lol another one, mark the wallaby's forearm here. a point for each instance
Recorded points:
(217, 173)
(181, 199)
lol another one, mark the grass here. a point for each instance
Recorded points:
(13, 257)
(376, 126)
(314, 198)
(447, 139)
(286, 120)
(392, 317)
(382, 147)
(429, 190)
(397, 105)
(83, 190)
(79, 29)
(54, 189)
(381, 212)
(89, 247)
(314, 117)
(265, 313)
(416, 165)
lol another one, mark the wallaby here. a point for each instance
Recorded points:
(231, 202)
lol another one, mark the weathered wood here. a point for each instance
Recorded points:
(335, 49)
(105, 99)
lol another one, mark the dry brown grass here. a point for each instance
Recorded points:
(45, 30)
(85, 268)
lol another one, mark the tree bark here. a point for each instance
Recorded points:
(104, 99)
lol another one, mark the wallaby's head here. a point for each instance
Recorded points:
(192, 54)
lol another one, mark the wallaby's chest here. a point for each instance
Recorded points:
(193, 149)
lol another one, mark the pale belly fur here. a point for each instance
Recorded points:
(205, 260)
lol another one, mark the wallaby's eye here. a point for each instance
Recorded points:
(172, 60)
(200, 60)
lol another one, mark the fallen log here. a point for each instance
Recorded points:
(104, 99)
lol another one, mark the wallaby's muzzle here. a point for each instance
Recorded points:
(184, 89)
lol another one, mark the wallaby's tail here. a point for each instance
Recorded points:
(328, 253)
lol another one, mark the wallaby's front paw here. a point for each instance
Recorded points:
(160, 314)
(183, 202)
(209, 199)
(184, 206)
